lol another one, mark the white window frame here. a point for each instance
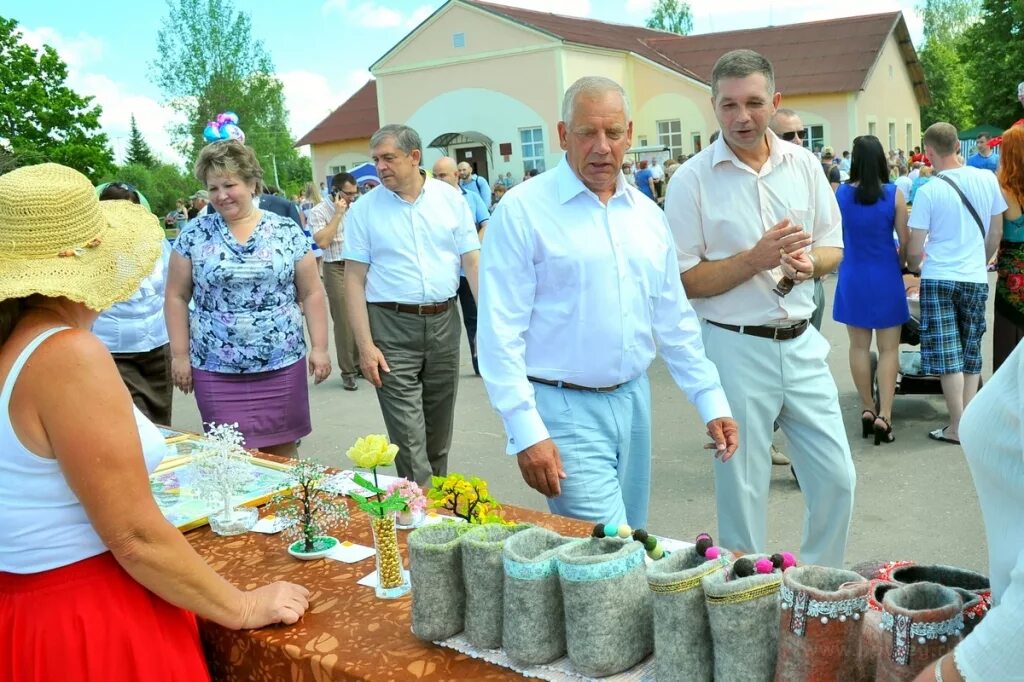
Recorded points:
(670, 134)
(815, 137)
(532, 149)
(892, 137)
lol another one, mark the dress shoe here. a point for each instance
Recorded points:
(778, 458)
(349, 383)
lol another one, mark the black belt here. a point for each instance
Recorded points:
(416, 308)
(574, 387)
(774, 333)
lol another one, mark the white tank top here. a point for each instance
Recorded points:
(42, 523)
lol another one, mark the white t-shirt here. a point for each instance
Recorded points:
(903, 184)
(955, 250)
(657, 172)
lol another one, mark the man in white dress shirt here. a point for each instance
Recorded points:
(746, 211)
(404, 243)
(579, 282)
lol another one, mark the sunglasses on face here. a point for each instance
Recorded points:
(793, 134)
(122, 185)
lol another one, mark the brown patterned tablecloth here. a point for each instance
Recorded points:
(347, 633)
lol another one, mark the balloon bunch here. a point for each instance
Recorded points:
(224, 127)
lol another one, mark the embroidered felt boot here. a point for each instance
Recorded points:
(920, 623)
(821, 620)
(533, 627)
(957, 578)
(438, 591)
(744, 618)
(609, 625)
(682, 636)
(484, 577)
(870, 645)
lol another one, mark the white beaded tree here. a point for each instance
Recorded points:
(221, 468)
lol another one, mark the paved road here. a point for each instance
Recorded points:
(915, 498)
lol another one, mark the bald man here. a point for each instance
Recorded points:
(446, 170)
(471, 182)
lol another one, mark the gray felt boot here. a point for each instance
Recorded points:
(484, 577)
(609, 622)
(821, 621)
(920, 623)
(438, 592)
(744, 618)
(682, 637)
(533, 628)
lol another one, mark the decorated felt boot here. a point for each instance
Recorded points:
(951, 576)
(484, 578)
(920, 623)
(682, 636)
(609, 625)
(533, 627)
(870, 645)
(743, 611)
(822, 616)
(438, 591)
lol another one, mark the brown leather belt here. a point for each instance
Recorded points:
(574, 387)
(416, 309)
(774, 333)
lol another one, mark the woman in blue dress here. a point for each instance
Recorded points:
(870, 296)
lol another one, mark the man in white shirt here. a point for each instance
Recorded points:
(578, 284)
(904, 183)
(326, 223)
(954, 279)
(405, 241)
(746, 211)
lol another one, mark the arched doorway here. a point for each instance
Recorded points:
(470, 146)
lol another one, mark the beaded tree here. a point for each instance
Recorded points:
(307, 510)
(467, 499)
(221, 468)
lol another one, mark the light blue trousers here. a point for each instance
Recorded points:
(788, 382)
(605, 443)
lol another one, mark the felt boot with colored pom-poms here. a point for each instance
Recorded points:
(533, 627)
(609, 625)
(438, 591)
(920, 623)
(682, 636)
(820, 624)
(744, 616)
(484, 577)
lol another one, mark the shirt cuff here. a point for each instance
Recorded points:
(712, 404)
(524, 428)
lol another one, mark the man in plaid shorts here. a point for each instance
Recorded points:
(960, 213)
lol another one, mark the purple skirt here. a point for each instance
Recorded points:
(270, 408)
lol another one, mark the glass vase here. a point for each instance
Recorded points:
(392, 579)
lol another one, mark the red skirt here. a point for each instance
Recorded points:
(91, 621)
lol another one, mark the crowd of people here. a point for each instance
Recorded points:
(584, 279)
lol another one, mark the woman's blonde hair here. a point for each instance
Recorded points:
(229, 157)
(312, 193)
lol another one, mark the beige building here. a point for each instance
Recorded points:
(484, 83)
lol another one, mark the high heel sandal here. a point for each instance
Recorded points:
(883, 435)
(867, 423)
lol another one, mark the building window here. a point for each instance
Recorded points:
(334, 170)
(695, 140)
(872, 128)
(670, 134)
(815, 138)
(458, 40)
(892, 136)
(910, 136)
(533, 148)
(643, 141)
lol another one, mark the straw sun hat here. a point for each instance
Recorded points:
(58, 239)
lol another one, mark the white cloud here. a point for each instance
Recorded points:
(310, 97)
(370, 14)
(418, 15)
(76, 51)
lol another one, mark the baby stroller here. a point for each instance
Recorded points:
(911, 380)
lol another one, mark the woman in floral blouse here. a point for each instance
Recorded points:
(241, 346)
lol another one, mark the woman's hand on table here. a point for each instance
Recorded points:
(319, 365)
(278, 602)
(181, 374)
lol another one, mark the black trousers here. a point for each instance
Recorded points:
(468, 305)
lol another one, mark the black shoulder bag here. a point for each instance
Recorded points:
(963, 198)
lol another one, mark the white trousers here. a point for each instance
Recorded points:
(788, 382)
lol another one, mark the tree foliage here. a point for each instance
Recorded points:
(41, 118)
(162, 183)
(995, 45)
(944, 58)
(671, 15)
(138, 151)
(209, 62)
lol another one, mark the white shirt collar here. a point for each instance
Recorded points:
(569, 186)
(777, 150)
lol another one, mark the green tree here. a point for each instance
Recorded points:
(138, 151)
(41, 118)
(162, 183)
(671, 15)
(994, 51)
(210, 63)
(942, 58)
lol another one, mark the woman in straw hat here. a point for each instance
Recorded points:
(94, 583)
(241, 346)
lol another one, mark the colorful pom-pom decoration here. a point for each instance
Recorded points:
(743, 568)
(598, 531)
(777, 560)
(624, 531)
(650, 543)
(788, 560)
(712, 553)
(764, 566)
(701, 536)
(640, 535)
(611, 530)
(704, 542)
(223, 127)
(656, 553)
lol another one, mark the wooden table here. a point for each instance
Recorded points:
(347, 633)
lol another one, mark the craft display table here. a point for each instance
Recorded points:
(347, 633)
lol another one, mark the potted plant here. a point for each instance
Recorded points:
(307, 511)
(369, 453)
(221, 470)
(415, 502)
(467, 499)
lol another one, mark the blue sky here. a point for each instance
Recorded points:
(322, 48)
